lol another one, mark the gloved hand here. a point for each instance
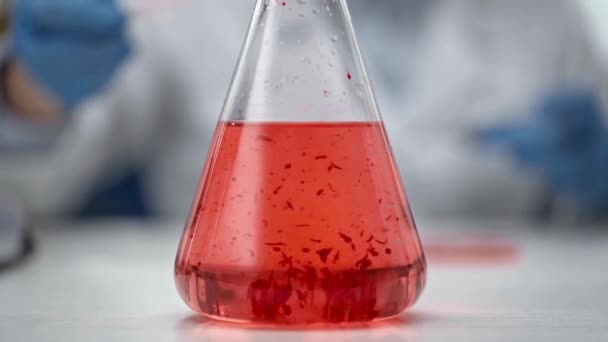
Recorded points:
(71, 47)
(566, 141)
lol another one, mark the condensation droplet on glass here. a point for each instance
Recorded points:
(315, 11)
(360, 94)
(334, 37)
(293, 80)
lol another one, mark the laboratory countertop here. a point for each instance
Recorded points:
(113, 281)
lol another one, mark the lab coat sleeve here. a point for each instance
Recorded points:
(101, 139)
(159, 115)
(485, 63)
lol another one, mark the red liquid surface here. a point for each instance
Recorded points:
(300, 223)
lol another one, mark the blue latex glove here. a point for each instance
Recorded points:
(566, 141)
(72, 47)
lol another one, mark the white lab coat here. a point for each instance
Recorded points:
(475, 63)
(485, 63)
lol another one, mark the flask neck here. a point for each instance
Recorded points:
(301, 62)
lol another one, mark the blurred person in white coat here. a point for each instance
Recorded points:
(457, 81)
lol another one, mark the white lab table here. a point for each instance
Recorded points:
(113, 281)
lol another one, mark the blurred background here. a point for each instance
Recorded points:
(496, 111)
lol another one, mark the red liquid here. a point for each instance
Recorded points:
(300, 223)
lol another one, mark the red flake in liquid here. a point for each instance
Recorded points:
(341, 281)
(345, 237)
(324, 253)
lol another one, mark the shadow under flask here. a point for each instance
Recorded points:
(300, 217)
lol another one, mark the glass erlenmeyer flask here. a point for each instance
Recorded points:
(300, 216)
